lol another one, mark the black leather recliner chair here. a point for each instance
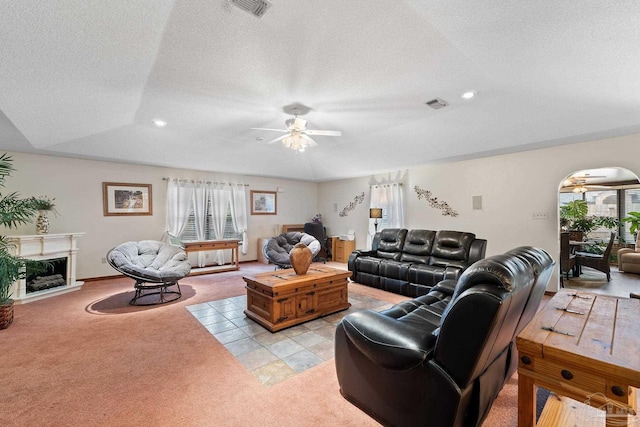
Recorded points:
(442, 358)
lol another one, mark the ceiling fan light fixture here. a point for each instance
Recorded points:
(579, 189)
(296, 142)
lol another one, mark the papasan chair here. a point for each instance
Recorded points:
(277, 248)
(155, 266)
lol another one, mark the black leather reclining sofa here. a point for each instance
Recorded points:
(442, 358)
(411, 262)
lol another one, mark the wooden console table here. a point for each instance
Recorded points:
(585, 347)
(216, 245)
(281, 298)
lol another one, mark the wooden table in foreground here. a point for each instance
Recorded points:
(279, 299)
(585, 347)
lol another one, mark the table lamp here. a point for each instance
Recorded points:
(375, 213)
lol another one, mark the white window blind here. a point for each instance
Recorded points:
(189, 233)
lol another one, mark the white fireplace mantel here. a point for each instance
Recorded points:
(42, 247)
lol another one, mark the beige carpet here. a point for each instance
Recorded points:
(89, 359)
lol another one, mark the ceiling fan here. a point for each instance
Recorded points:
(296, 135)
(586, 176)
(580, 185)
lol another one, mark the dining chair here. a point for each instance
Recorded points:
(567, 259)
(595, 261)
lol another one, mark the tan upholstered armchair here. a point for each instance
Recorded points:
(629, 259)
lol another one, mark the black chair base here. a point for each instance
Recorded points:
(161, 289)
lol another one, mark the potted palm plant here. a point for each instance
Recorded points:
(13, 211)
(634, 221)
(572, 216)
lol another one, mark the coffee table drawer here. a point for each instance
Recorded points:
(571, 376)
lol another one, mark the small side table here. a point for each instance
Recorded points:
(583, 346)
(341, 249)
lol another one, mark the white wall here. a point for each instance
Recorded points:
(77, 187)
(512, 186)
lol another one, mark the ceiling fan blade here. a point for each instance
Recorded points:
(275, 130)
(584, 177)
(323, 132)
(311, 142)
(280, 138)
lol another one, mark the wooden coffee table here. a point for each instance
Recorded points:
(280, 299)
(585, 347)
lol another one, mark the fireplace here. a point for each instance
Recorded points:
(59, 251)
(55, 275)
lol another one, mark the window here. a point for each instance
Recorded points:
(383, 222)
(189, 233)
(615, 203)
(630, 203)
(602, 203)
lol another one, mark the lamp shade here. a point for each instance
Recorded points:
(375, 213)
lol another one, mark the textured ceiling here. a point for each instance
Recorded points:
(85, 78)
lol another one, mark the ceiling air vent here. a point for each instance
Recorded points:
(255, 7)
(437, 103)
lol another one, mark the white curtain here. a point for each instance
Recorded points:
(239, 212)
(200, 215)
(219, 196)
(388, 197)
(179, 196)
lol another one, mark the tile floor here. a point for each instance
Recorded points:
(274, 357)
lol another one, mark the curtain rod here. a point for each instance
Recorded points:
(206, 182)
(389, 183)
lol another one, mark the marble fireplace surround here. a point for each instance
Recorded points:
(46, 247)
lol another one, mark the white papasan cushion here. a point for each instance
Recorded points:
(151, 260)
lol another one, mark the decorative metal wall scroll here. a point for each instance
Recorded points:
(434, 203)
(351, 206)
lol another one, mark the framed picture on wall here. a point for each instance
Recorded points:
(264, 202)
(126, 199)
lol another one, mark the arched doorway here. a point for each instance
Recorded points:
(592, 204)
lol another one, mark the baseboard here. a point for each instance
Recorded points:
(95, 279)
(119, 276)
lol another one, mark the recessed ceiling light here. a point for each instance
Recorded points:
(469, 95)
(160, 123)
